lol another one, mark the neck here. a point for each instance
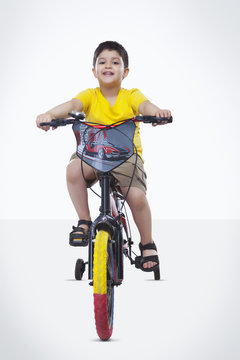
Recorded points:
(110, 91)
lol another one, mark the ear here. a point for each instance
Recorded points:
(94, 72)
(125, 73)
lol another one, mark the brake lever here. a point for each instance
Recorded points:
(77, 115)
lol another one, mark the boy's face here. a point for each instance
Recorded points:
(109, 68)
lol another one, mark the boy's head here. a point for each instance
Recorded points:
(111, 45)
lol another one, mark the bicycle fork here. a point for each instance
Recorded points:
(105, 221)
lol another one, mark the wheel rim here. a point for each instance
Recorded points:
(101, 153)
(110, 288)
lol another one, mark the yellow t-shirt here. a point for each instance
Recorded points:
(97, 108)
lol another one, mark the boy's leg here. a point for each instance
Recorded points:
(78, 189)
(139, 206)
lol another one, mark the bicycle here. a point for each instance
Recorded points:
(110, 234)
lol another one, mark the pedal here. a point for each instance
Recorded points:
(138, 262)
(116, 283)
(76, 242)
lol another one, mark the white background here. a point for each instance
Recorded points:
(193, 313)
(184, 56)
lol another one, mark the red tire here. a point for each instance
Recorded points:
(103, 290)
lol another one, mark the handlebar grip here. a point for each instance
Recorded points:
(58, 122)
(148, 119)
(46, 124)
(163, 119)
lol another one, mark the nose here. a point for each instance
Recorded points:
(108, 65)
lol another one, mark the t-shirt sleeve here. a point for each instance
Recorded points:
(135, 99)
(86, 98)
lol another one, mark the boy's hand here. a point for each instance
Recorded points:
(47, 117)
(162, 113)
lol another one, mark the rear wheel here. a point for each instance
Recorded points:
(157, 274)
(103, 290)
(79, 269)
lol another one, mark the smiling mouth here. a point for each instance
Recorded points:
(108, 73)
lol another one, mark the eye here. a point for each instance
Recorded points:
(115, 62)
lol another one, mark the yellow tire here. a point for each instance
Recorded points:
(103, 291)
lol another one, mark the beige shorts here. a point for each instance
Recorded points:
(123, 174)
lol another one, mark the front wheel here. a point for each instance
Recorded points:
(103, 290)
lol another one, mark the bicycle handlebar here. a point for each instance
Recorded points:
(147, 119)
(79, 117)
(59, 122)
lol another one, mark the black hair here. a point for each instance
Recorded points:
(111, 45)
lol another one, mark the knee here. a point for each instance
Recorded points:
(140, 200)
(137, 199)
(73, 172)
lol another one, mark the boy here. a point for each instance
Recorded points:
(107, 104)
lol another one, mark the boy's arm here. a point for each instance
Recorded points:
(59, 111)
(147, 108)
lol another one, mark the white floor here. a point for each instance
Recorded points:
(192, 314)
